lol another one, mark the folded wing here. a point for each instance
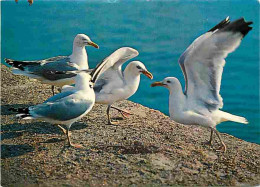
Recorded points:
(61, 110)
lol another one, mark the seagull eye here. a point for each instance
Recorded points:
(138, 67)
(168, 81)
(91, 85)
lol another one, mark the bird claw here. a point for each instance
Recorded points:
(223, 148)
(115, 123)
(125, 114)
(78, 146)
(209, 143)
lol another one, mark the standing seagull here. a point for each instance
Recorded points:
(114, 85)
(40, 69)
(67, 107)
(202, 65)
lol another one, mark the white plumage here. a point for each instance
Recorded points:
(202, 65)
(40, 69)
(69, 106)
(114, 84)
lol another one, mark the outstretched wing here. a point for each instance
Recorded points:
(203, 61)
(112, 68)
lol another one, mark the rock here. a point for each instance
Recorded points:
(146, 149)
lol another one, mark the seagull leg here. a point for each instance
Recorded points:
(108, 117)
(124, 113)
(68, 134)
(223, 147)
(63, 130)
(211, 138)
(52, 89)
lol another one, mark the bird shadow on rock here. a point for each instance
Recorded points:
(16, 129)
(5, 108)
(117, 118)
(8, 151)
(129, 149)
(78, 126)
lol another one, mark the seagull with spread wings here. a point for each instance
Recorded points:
(40, 69)
(67, 107)
(202, 65)
(114, 84)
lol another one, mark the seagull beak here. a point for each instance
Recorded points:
(147, 74)
(93, 44)
(157, 84)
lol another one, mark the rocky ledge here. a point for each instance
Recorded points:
(145, 149)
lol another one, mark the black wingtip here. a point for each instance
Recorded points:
(221, 25)
(19, 110)
(239, 25)
(7, 60)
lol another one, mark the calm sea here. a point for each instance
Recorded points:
(159, 30)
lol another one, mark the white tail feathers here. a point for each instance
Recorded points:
(23, 116)
(230, 117)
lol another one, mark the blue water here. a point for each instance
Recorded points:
(160, 31)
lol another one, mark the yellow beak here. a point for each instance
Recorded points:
(157, 84)
(93, 44)
(147, 74)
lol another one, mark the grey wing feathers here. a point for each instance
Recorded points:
(62, 110)
(43, 68)
(59, 96)
(99, 85)
(203, 61)
(22, 64)
(47, 68)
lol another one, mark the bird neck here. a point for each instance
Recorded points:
(79, 56)
(86, 90)
(132, 79)
(176, 100)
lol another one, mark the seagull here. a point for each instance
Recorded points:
(67, 107)
(114, 85)
(202, 64)
(40, 69)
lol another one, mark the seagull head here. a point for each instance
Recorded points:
(82, 40)
(137, 67)
(168, 82)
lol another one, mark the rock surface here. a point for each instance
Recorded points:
(145, 149)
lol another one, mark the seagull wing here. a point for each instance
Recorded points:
(203, 61)
(60, 96)
(62, 65)
(41, 69)
(113, 67)
(63, 109)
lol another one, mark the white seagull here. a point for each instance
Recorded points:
(114, 85)
(202, 65)
(66, 107)
(40, 69)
